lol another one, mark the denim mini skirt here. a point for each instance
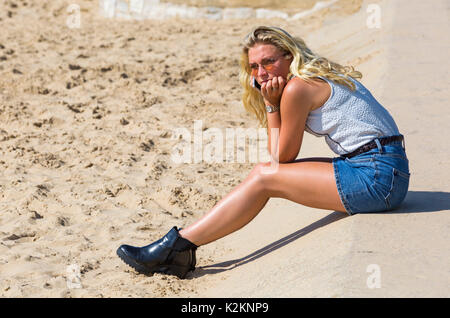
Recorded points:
(374, 181)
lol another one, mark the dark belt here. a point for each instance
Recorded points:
(372, 145)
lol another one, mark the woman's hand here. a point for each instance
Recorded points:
(272, 90)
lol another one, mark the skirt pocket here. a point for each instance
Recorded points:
(398, 189)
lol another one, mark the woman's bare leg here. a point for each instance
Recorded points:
(307, 182)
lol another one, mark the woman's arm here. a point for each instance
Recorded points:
(295, 103)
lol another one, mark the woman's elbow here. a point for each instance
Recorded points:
(285, 158)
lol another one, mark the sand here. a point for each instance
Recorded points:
(87, 118)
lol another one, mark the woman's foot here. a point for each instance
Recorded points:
(172, 254)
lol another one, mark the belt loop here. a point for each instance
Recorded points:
(403, 143)
(380, 148)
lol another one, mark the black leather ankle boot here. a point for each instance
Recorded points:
(171, 255)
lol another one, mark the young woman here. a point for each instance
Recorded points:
(290, 89)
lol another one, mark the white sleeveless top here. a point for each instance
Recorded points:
(350, 119)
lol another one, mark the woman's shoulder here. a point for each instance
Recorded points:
(297, 86)
(314, 92)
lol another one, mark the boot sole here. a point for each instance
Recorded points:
(179, 271)
(130, 262)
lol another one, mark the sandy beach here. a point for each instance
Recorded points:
(88, 116)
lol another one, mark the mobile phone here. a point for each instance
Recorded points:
(255, 84)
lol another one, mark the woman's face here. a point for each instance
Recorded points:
(267, 61)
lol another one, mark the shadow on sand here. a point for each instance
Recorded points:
(228, 265)
(415, 202)
(424, 201)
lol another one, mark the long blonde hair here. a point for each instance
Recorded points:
(305, 64)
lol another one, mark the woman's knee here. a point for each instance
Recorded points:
(263, 173)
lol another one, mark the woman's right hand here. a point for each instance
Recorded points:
(272, 90)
